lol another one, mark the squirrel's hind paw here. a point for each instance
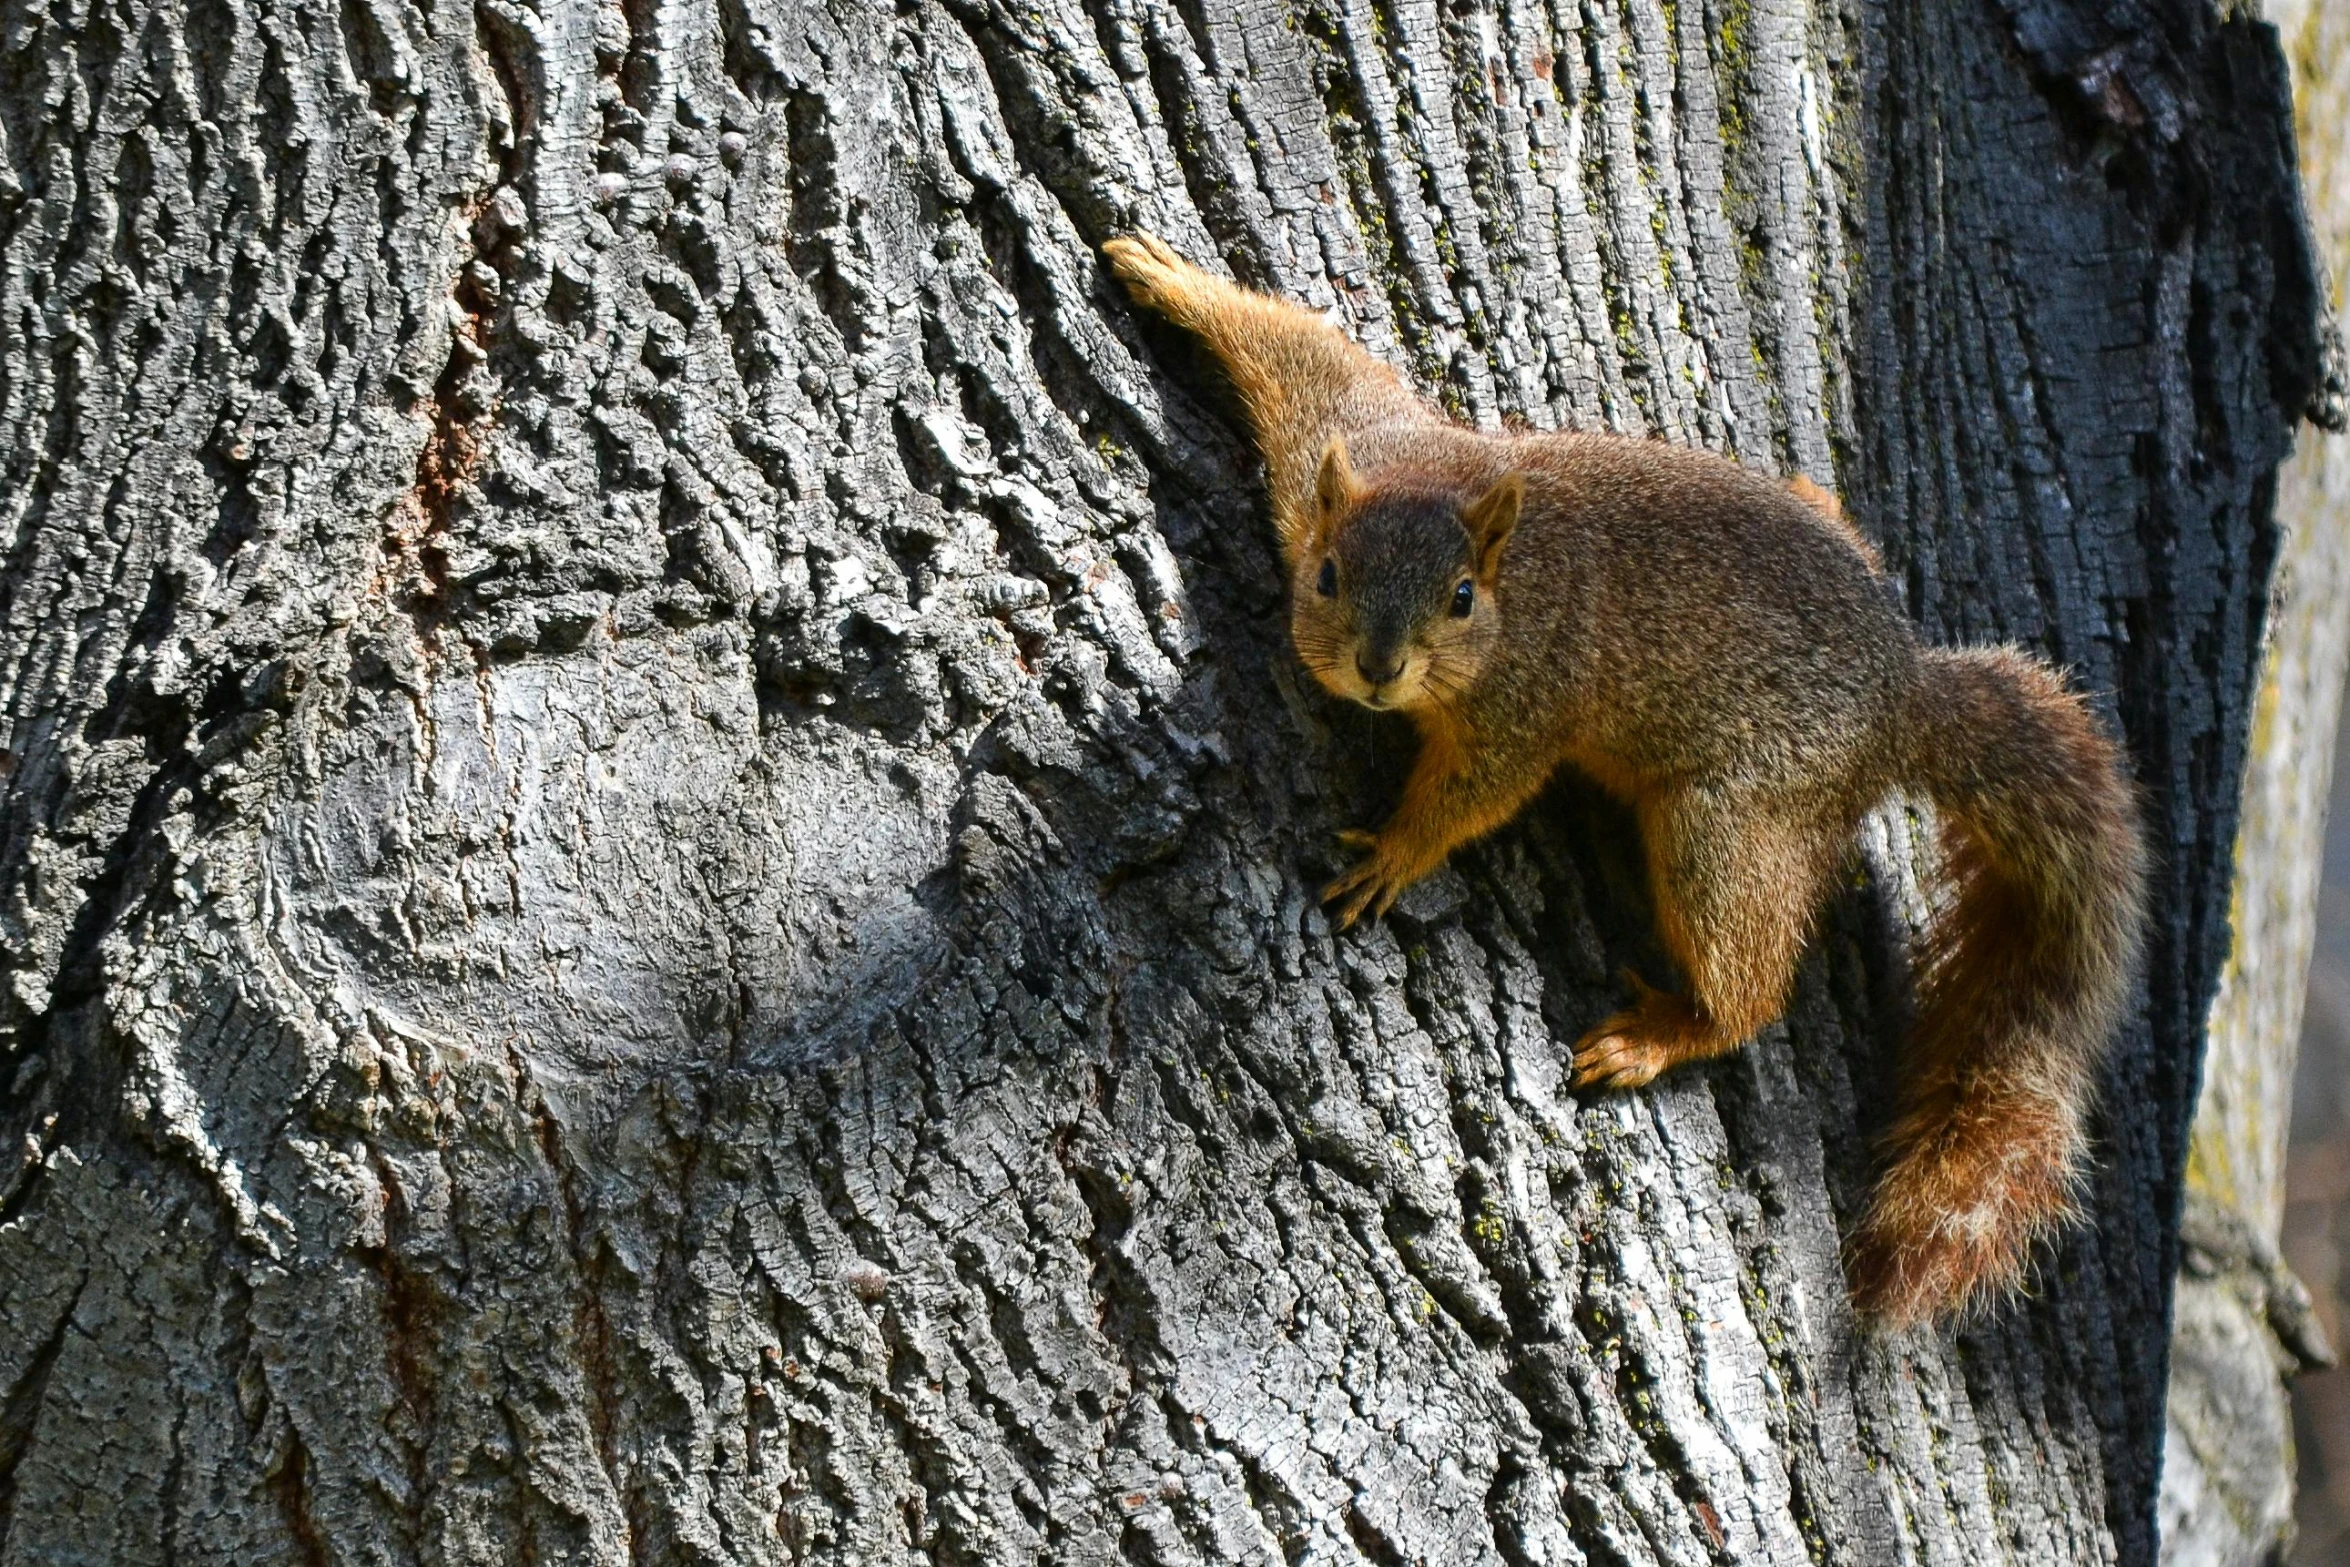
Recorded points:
(1615, 1055)
(1659, 1031)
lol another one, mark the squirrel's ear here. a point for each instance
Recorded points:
(1334, 485)
(1490, 519)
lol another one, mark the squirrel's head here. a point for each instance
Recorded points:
(1393, 605)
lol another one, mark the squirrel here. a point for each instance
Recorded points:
(1718, 650)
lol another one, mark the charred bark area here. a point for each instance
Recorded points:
(657, 885)
(2048, 409)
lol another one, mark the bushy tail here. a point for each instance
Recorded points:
(2021, 983)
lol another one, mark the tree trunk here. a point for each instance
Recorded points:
(2243, 1324)
(660, 843)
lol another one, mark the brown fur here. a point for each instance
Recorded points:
(1825, 503)
(2022, 979)
(1715, 648)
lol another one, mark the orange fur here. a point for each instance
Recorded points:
(1831, 511)
(2022, 980)
(1713, 647)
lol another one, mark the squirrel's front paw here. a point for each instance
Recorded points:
(1148, 266)
(1373, 884)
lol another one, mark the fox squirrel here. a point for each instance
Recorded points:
(1716, 649)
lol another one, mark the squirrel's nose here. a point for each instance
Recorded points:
(1373, 673)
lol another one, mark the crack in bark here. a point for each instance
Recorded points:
(591, 1326)
(289, 1484)
(412, 1304)
(20, 1411)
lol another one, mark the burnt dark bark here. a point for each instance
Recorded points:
(657, 880)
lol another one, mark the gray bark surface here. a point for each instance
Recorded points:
(659, 861)
(2244, 1327)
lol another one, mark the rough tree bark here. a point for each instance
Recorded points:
(2243, 1324)
(659, 844)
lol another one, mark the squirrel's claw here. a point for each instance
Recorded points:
(1374, 883)
(1146, 264)
(1357, 888)
(1613, 1055)
(1659, 1031)
(1156, 248)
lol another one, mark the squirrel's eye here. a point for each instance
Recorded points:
(1462, 598)
(1327, 583)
